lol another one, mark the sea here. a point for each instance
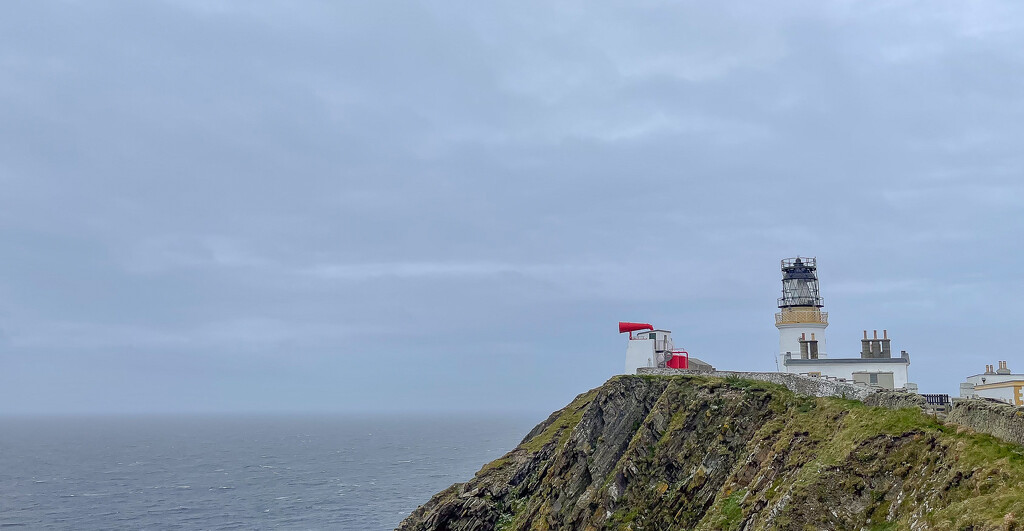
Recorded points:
(230, 472)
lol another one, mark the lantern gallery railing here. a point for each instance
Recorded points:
(797, 300)
(801, 315)
(806, 261)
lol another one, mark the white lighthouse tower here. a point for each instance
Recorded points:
(800, 321)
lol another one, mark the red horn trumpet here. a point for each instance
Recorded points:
(633, 327)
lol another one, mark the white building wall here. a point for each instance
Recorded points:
(993, 378)
(1006, 394)
(845, 370)
(639, 353)
(789, 339)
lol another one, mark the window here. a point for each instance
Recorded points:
(873, 378)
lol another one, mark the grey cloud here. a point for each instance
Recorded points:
(209, 196)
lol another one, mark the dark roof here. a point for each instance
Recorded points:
(830, 361)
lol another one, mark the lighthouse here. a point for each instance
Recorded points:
(802, 324)
(800, 321)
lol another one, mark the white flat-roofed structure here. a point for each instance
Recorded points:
(874, 372)
(998, 384)
(648, 349)
(653, 348)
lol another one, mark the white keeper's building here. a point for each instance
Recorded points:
(998, 384)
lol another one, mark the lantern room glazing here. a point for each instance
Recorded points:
(800, 284)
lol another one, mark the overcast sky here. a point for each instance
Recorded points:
(383, 206)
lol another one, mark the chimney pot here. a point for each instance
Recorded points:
(885, 334)
(876, 334)
(812, 337)
(865, 334)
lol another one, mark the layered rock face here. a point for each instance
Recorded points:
(689, 452)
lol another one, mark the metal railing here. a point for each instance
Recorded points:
(808, 261)
(801, 315)
(790, 301)
(936, 400)
(663, 344)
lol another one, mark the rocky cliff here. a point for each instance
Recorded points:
(687, 452)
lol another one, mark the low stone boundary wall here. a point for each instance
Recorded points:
(999, 420)
(896, 400)
(798, 383)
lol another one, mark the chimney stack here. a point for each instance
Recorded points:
(886, 350)
(872, 348)
(808, 347)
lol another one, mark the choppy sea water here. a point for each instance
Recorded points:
(237, 473)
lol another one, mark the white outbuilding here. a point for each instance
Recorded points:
(998, 384)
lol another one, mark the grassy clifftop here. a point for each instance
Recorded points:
(686, 452)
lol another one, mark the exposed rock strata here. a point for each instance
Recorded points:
(688, 452)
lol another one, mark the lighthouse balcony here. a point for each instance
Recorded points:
(801, 315)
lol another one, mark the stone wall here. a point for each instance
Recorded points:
(999, 420)
(798, 383)
(896, 400)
